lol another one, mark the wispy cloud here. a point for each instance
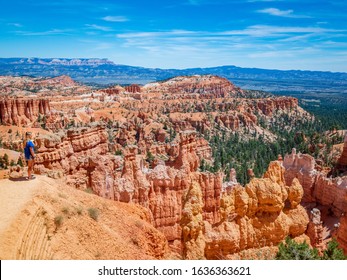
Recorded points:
(276, 12)
(281, 13)
(157, 34)
(256, 39)
(270, 31)
(103, 46)
(98, 27)
(256, 35)
(15, 24)
(115, 18)
(45, 33)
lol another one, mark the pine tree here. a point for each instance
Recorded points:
(333, 252)
(290, 250)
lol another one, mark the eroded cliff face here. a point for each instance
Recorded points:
(73, 154)
(147, 150)
(321, 191)
(199, 217)
(317, 186)
(343, 159)
(22, 112)
(207, 85)
(261, 214)
(193, 238)
(82, 156)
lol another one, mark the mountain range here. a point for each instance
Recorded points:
(103, 71)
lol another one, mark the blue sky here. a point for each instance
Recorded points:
(271, 34)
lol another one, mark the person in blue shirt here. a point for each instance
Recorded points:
(29, 154)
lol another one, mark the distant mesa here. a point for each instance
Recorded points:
(62, 61)
(209, 85)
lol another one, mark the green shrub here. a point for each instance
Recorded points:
(89, 190)
(93, 213)
(58, 220)
(333, 252)
(79, 210)
(291, 250)
(65, 210)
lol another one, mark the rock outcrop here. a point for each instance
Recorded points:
(342, 233)
(133, 88)
(319, 190)
(74, 154)
(22, 111)
(343, 159)
(198, 217)
(261, 214)
(206, 85)
(192, 224)
(317, 186)
(315, 229)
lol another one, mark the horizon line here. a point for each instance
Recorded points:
(180, 69)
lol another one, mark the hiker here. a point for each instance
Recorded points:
(29, 154)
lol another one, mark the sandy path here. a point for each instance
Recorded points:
(13, 196)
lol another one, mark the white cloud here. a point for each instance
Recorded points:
(276, 12)
(15, 24)
(115, 18)
(278, 31)
(281, 13)
(98, 27)
(254, 31)
(45, 33)
(103, 46)
(156, 34)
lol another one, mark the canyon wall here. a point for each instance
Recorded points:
(319, 190)
(261, 214)
(343, 159)
(199, 217)
(22, 111)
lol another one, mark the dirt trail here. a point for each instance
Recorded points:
(45, 219)
(13, 197)
(23, 233)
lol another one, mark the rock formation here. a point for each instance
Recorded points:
(317, 187)
(342, 233)
(261, 214)
(182, 200)
(22, 111)
(315, 229)
(343, 159)
(320, 190)
(207, 85)
(133, 88)
(147, 148)
(192, 224)
(73, 154)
